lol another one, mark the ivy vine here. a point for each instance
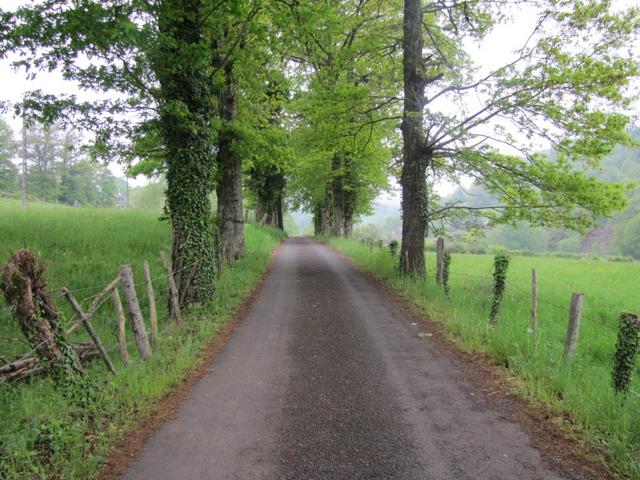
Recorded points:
(446, 262)
(500, 267)
(627, 347)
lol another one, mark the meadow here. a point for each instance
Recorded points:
(581, 388)
(42, 436)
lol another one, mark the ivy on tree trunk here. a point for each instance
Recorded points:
(185, 126)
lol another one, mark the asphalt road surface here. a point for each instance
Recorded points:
(324, 378)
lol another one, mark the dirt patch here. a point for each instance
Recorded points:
(563, 451)
(128, 447)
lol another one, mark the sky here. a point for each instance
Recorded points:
(494, 51)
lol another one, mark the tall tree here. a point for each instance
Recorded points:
(8, 148)
(416, 155)
(157, 58)
(565, 86)
(229, 43)
(181, 62)
(344, 107)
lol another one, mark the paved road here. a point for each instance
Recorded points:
(325, 379)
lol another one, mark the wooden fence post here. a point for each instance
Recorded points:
(86, 321)
(133, 307)
(122, 339)
(439, 259)
(575, 313)
(534, 302)
(153, 313)
(173, 291)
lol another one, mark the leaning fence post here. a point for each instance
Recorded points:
(439, 259)
(86, 321)
(575, 313)
(122, 339)
(173, 291)
(133, 307)
(153, 313)
(534, 302)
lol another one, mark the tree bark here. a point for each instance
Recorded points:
(337, 194)
(135, 315)
(415, 155)
(185, 124)
(268, 186)
(26, 293)
(229, 185)
(326, 214)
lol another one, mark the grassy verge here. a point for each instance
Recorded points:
(41, 435)
(582, 388)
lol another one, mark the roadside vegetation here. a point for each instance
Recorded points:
(582, 389)
(42, 435)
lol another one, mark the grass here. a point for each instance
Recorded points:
(42, 436)
(581, 388)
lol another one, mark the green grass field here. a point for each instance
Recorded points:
(582, 388)
(41, 435)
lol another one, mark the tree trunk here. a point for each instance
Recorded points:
(415, 156)
(26, 293)
(229, 186)
(349, 210)
(187, 138)
(326, 214)
(337, 191)
(279, 213)
(317, 220)
(350, 197)
(268, 185)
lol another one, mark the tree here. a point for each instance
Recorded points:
(8, 171)
(45, 150)
(344, 106)
(416, 155)
(270, 158)
(158, 59)
(629, 240)
(565, 86)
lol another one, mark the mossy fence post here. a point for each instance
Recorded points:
(439, 259)
(500, 267)
(627, 347)
(575, 314)
(446, 262)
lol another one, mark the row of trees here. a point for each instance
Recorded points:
(56, 171)
(307, 99)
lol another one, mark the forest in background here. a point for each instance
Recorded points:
(58, 172)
